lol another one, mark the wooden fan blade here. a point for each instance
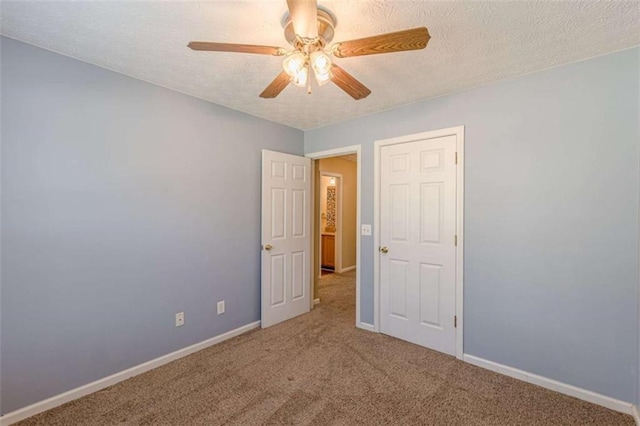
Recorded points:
(348, 83)
(304, 15)
(240, 48)
(413, 39)
(276, 86)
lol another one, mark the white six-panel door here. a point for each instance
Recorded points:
(417, 242)
(286, 236)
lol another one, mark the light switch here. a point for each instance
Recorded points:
(366, 230)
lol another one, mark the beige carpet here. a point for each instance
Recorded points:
(318, 369)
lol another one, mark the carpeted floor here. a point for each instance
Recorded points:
(318, 369)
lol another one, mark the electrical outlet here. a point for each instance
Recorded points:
(221, 307)
(366, 229)
(179, 319)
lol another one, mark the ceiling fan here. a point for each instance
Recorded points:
(309, 29)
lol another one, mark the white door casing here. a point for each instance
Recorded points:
(286, 236)
(417, 234)
(354, 149)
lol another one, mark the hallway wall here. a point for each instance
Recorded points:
(348, 170)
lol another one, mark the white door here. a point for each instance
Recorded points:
(417, 242)
(286, 236)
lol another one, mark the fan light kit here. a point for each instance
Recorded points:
(297, 64)
(308, 29)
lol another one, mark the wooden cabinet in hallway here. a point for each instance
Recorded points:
(328, 251)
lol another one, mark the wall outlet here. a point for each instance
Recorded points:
(366, 230)
(179, 319)
(221, 307)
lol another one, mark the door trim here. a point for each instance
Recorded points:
(338, 233)
(353, 149)
(458, 132)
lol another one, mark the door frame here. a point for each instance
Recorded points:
(458, 132)
(338, 233)
(353, 149)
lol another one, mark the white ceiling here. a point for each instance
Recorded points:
(473, 43)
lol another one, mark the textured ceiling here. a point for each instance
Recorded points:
(473, 43)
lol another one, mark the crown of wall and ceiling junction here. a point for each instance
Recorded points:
(473, 43)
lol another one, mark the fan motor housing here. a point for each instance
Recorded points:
(326, 25)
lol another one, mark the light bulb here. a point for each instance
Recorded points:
(320, 62)
(300, 77)
(294, 63)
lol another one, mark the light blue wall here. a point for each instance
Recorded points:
(118, 210)
(122, 204)
(551, 216)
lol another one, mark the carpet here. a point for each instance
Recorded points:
(318, 369)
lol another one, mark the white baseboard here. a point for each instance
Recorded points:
(47, 404)
(576, 392)
(636, 414)
(347, 269)
(366, 326)
(316, 301)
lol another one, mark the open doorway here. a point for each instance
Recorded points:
(336, 221)
(329, 214)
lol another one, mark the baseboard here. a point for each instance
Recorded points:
(576, 392)
(636, 414)
(316, 301)
(47, 404)
(347, 269)
(366, 326)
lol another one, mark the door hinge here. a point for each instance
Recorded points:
(455, 240)
(456, 158)
(455, 321)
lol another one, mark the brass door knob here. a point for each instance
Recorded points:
(384, 249)
(268, 247)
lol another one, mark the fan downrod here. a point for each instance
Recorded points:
(326, 26)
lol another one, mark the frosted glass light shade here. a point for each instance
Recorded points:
(320, 62)
(294, 63)
(300, 78)
(322, 78)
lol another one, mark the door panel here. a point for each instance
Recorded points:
(399, 212)
(418, 225)
(277, 279)
(278, 213)
(431, 212)
(430, 294)
(298, 273)
(398, 297)
(299, 212)
(286, 238)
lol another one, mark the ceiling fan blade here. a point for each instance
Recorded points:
(348, 83)
(240, 48)
(304, 15)
(276, 86)
(414, 39)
